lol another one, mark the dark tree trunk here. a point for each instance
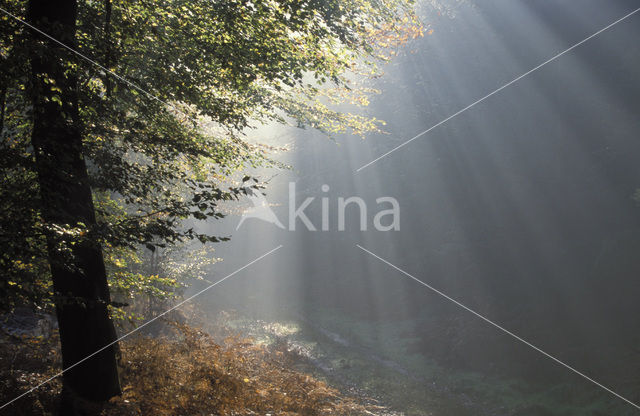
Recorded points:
(107, 42)
(3, 101)
(79, 280)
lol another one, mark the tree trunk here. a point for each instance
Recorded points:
(79, 279)
(3, 101)
(107, 42)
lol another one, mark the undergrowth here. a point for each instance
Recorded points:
(184, 372)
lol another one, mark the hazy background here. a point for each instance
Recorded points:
(521, 208)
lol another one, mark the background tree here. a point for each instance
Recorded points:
(160, 147)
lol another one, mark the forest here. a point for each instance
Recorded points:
(319, 207)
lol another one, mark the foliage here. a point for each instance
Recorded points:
(196, 375)
(143, 283)
(169, 143)
(27, 362)
(186, 374)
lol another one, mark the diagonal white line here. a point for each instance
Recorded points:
(153, 97)
(141, 326)
(118, 77)
(513, 81)
(500, 327)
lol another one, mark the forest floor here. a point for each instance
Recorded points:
(229, 363)
(351, 355)
(177, 369)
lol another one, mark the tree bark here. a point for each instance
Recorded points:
(79, 279)
(107, 42)
(3, 101)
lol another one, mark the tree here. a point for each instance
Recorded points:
(120, 162)
(66, 201)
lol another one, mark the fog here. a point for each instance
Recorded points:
(520, 208)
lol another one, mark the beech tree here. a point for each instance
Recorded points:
(114, 146)
(66, 199)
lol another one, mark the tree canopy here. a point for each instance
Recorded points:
(120, 120)
(167, 91)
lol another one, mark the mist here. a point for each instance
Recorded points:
(388, 208)
(520, 208)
